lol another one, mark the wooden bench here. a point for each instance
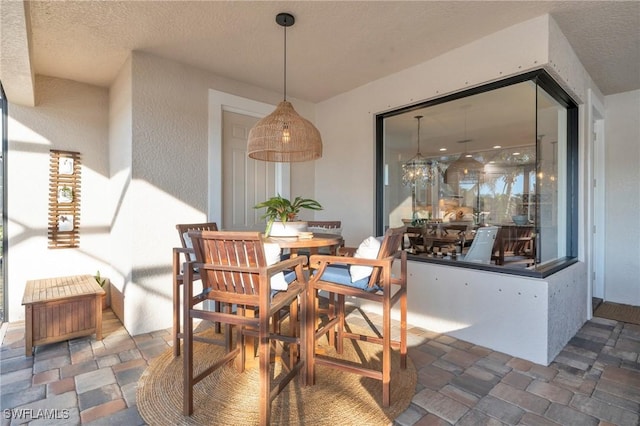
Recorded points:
(58, 309)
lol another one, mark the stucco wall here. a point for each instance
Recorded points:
(471, 311)
(68, 116)
(347, 121)
(168, 183)
(120, 134)
(622, 198)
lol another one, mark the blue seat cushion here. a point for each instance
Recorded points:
(339, 274)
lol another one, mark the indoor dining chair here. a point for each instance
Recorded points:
(482, 246)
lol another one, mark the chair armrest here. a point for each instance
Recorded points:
(320, 261)
(177, 251)
(183, 250)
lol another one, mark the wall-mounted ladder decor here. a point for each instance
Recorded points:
(64, 199)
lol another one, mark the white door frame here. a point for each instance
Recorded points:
(218, 102)
(595, 193)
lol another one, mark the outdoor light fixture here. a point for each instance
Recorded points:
(284, 136)
(418, 169)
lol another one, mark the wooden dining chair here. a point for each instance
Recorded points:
(234, 271)
(181, 255)
(481, 246)
(336, 275)
(514, 245)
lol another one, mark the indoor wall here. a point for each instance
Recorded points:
(160, 174)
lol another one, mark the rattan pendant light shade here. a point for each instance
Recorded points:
(284, 136)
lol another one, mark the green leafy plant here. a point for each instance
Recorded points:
(100, 280)
(282, 209)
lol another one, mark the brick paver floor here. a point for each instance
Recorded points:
(595, 380)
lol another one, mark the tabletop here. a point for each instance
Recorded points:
(318, 240)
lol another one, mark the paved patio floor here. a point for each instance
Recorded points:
(595, 380)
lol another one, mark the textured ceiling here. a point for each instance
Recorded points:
(332, 48)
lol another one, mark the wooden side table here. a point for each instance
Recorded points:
(62, 308)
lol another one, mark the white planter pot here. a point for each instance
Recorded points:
(288, 229)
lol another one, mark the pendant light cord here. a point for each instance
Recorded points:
(419, 134)
(285, 63)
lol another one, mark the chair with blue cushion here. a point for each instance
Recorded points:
(367, 275)
(234, 270)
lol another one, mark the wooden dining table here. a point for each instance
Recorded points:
(294, 244)
(425, 239)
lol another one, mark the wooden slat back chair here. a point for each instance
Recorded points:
(332, 275)
(234, 271)
(181, 255)
(514, 244)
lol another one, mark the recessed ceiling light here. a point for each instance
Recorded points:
(468, 155)
(516, 153)
(443, 149)
(497, 146)
(492, 162)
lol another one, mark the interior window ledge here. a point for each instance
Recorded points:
(541, 271)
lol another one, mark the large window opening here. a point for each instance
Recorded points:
(502, 156)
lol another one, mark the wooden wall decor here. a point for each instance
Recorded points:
(64, 199)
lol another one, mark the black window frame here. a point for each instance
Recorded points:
(542, 79)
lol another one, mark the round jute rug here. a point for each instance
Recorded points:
(227, 397)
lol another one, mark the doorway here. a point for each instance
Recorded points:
(219, 104)
(245, 181)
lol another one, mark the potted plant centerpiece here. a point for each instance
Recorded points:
(281, 215)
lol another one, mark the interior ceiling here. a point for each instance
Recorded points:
(333, 47)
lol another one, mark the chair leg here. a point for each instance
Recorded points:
(341, 314)
(311, 322)
(217, 307)
(239, 361)
(187, 401)
(294, 332)
(176, 316)
(386, 352)
(403, 330)
(332, 313)
(265, 375)
(302, 339)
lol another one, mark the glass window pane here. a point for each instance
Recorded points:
(552, 178)
(499, 158)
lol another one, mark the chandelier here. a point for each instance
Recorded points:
(283, 135)
(418, 169)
